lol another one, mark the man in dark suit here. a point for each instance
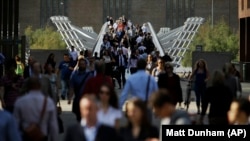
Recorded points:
(89, 129)
(121, 62)
(28, 69)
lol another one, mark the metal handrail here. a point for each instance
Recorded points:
(155, 39)
(97, 46)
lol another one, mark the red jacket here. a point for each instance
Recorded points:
(93, 84)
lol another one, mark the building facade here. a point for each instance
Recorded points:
(161, 13)
(244, 20)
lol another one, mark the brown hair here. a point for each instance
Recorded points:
(143, 107)
(113, 100)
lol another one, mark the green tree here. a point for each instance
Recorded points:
(44, 38)
(219, 38)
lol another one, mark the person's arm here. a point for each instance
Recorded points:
(161, 81)
(179, 89)
(71, 90)
(117, 124)
(191, 76)
(124, 94)
(207, 76)
(53, 124)
(1, 96)
(155, 85)
(13, 133)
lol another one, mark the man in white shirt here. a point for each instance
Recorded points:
(73, 54)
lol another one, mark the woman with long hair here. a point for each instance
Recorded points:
(54, 82)
(108, 113)
(50, 60)
(171, 82)
(199, 77)
(139, 127)
(150, 64)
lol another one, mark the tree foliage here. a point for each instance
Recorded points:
(44, 38)
(219, 38)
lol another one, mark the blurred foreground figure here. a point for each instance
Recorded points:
(164, 107)
(139, 127)
(8, 127)
(36, 108)
(90, 129)
(239, 112)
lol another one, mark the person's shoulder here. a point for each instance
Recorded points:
(21, 100)
(153, 128)
(5, 114)
(74, 127)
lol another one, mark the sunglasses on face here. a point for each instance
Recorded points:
(104, 92)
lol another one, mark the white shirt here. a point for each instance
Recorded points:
(139, 39)
(107, 59)
(74, 55)
(142, 48)
(164, 121)
(89, 132)
(109, 117)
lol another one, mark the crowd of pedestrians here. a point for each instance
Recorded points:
(31, 94)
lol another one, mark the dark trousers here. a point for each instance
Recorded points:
(121, 76)
(76, 109)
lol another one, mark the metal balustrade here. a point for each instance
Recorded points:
(72, 35)
(176, 42)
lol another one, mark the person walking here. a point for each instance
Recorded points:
(214, 95)
(36, 108)
(142, 91)
(121, 63)
(171, 82)
(199, 77)
(77, 85)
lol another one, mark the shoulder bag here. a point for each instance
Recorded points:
(33, 131)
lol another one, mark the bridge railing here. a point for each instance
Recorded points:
(155, 39)
(99, 41)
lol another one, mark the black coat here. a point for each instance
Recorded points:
(125, 60)
(104, 133)
(145, 133)
(175, 87)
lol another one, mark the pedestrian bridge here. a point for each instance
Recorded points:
(174, 42)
